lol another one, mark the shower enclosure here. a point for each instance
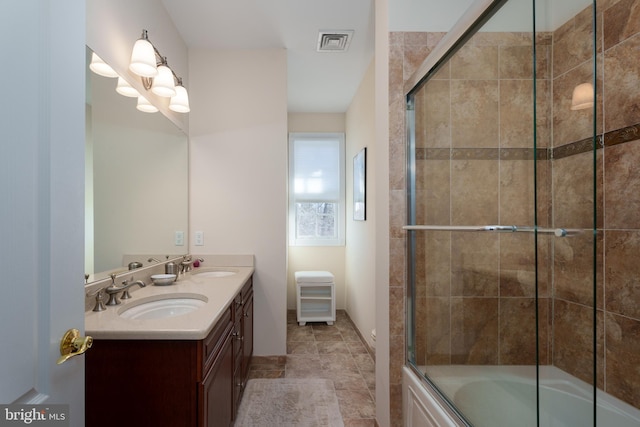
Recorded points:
(522, 232)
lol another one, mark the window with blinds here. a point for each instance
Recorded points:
(316, 189)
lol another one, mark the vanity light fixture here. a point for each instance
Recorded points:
(147, 63)
(582, 97)
(100, 67)
(157, 76)
(145, 106)
(180, 102)
(125, 89)
(143, 57)
(163, 84)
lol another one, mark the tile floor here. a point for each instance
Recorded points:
(335, 352)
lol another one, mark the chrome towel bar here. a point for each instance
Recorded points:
(558, 232)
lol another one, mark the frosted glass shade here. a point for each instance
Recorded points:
(124, 88)
(582, 97)
(100, 67)
(180, 102)
(145, 106)
(143, 59)
(163, 83)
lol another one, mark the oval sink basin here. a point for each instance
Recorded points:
(215, 273)
(169, 306)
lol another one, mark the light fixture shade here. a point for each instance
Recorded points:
(163, 83)
(124, 88)
(143, 59)
(180, 102)
(582, 97)
(100, 67)
(145, 106)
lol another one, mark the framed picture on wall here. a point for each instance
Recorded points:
(360, 185)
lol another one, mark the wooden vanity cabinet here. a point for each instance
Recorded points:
(242, 340)
(172, 382)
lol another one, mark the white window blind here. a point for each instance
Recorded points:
(316, 191)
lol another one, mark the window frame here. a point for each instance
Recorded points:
(341, 203)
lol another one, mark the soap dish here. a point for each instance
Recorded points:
(163, 279)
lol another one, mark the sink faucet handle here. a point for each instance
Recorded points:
(99, 294)
(112, 290)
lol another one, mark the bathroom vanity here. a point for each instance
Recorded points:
(175, 371)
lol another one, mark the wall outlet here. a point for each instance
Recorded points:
(179, 238)
(199, 238)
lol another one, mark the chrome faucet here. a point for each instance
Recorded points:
(112, 290)
(127, 285)
(187, 263)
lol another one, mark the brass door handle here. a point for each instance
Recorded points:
(72, 344)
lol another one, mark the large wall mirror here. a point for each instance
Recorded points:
(136, 180)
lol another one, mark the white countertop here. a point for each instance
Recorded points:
(218, 291)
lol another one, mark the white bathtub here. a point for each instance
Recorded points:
(505, 396)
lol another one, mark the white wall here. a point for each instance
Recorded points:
(238, 172)
(361, 239)
(325, 258)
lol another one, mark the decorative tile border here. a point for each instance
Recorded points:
(481, 153)
(611, 138)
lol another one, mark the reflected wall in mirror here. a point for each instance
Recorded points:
(136, 180)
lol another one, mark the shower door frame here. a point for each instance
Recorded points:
(479, 12)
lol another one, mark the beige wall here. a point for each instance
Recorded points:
(360, 248)
(325, 258)
(381, 206)
(238, 172)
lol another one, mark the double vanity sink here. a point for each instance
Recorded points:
(186, 309)
(183, 349)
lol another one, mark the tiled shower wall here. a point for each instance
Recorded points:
(475, 292)
(566, 283)
(617, 203)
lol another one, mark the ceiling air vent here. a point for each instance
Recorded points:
(334, 41)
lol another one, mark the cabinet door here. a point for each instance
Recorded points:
(247, 331)
(217, 390)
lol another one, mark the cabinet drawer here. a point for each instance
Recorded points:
(214, 341)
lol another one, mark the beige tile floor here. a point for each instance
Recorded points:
(335, 352)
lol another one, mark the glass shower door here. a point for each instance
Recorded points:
(501, 191)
